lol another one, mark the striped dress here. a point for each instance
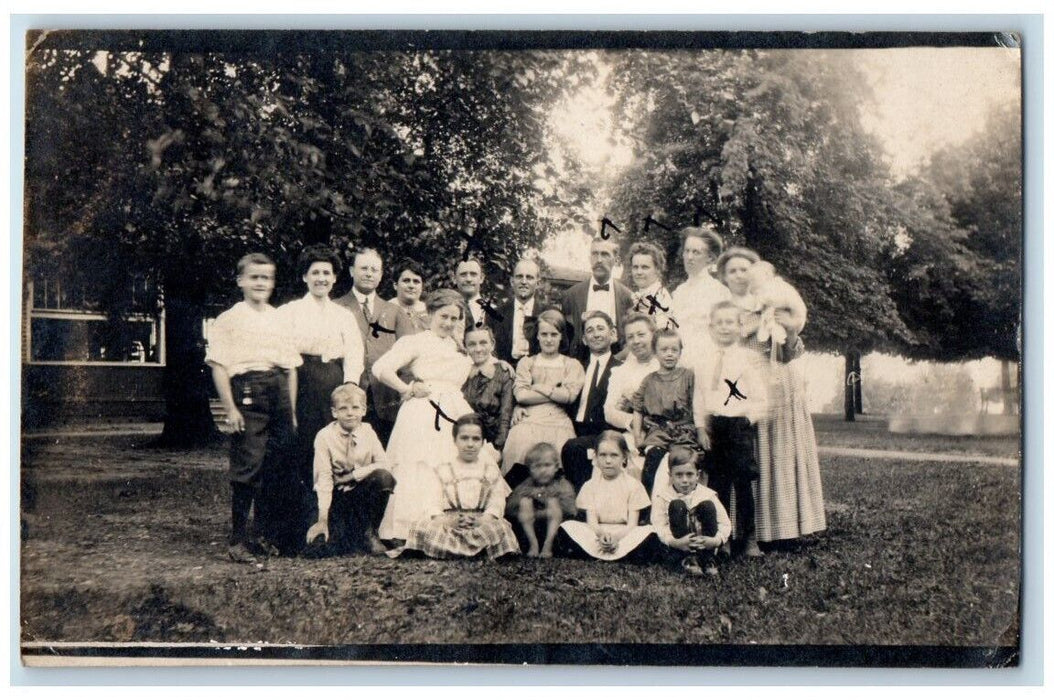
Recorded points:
(789, 502)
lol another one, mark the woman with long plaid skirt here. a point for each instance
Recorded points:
(466, 517)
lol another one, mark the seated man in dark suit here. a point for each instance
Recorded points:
(599, 293)
(514, 334)
(588, 417)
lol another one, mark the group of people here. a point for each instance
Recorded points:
(621, 421)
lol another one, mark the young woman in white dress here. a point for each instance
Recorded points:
(432, 401)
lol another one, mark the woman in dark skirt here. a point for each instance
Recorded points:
(328, 339)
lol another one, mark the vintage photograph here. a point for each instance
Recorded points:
(572, 347)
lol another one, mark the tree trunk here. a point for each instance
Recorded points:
(858, 385)
(852, 360)
(1010, 396)
(188, 417)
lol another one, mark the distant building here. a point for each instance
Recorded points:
(80, 364)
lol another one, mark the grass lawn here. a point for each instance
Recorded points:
(870, 432)
(122, 543)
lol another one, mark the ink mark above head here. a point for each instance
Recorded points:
(376, 329)
(439, 414)
(605, 224)
(471, 245)
(649, 222)
(669, 320)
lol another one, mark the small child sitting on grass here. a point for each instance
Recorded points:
(465, 517)
(544, 498)
(612, 502)
(688, 517)
(352, 484)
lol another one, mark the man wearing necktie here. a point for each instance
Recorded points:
(514, 334)
(599, 293)
(381, 323)
(588, 415)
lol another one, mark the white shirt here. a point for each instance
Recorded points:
(623, 382)
(367, 300)
(660, 510)
(597, 363)
(643, 305)
(732, 365)
(245, 339)
(521, 309)
(691, 305)
(601, 301)
(328, 330)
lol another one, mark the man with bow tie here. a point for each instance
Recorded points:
(599, 293)
(514, 335)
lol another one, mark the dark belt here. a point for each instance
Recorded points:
(259, 374)
(317, 359)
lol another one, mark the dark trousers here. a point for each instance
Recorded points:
(652, 460)
(260, 463)
(701, 520)
(316, 380)
(574, 458)
(354, 513)
(731, 466)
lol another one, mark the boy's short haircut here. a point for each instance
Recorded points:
(347, 391)
(540, 451)
(467, 419)
(723, 304)
(665, 333)
(597, 313)
(679, 455)
(469, 328)
(637, 317)
(253, 259)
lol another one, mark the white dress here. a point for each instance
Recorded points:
(421, 438)
(610, 500)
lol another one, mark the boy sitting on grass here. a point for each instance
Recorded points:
(254, 363)
(352, 484)
(688, 517)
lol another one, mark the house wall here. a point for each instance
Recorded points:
(63, 394)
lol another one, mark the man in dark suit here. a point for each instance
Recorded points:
(514, 332)
(469, 280)
(599, 293)
(588, 413)
(381, 324)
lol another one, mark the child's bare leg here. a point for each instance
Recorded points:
(526, 518)
(553, 517)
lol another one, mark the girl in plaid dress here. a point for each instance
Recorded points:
(465, 518)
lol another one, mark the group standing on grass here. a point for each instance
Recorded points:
(620, 423)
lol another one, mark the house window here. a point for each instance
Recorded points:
(66, 325)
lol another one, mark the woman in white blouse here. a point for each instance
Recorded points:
(693, 299)
(432, 401)
(329, 342)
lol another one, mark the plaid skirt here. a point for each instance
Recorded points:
(440, 538)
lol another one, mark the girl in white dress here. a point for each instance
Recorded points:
(421, 437)
(612, 503)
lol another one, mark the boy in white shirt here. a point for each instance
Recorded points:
(254, 360)
(730, 398)
(688, 517)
